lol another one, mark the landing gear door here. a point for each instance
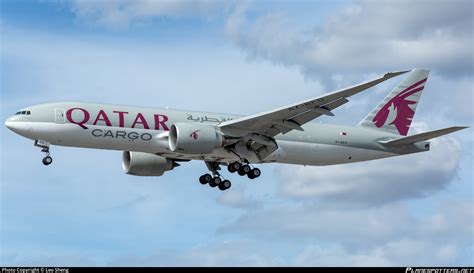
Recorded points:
(59, 115)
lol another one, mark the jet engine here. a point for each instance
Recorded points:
(190, 138)
(144, 164)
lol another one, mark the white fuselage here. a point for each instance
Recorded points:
(129, 128)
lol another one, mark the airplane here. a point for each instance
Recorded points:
(156, 140)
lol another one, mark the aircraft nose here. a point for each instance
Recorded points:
(17, 126)
(9, 123)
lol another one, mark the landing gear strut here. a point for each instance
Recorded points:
(45, 149)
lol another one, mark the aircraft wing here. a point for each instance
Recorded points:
(257, 131)
(291, 117)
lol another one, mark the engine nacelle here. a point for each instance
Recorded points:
(191, 138)
(144, 164)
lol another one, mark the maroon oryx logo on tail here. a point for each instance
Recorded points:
(397, 111)
(194, 135)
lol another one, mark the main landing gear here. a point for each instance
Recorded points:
(244, 169)
(45, 149)
(215, 180)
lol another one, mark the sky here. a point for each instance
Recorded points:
(240, 57)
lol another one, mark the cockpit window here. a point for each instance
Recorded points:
(23, 113)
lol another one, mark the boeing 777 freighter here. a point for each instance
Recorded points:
(156, 140)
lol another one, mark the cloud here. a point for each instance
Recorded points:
(46, 260)
(120, 14)
(314, 255)
(392, 254)
(223, 253)
(379, 181)
(364, 36)
(238, 199)
(116, 70)
(385, 235)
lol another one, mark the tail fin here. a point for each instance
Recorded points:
(395, 113)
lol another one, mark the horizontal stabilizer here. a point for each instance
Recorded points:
(421, 137)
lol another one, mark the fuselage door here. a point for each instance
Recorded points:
(59, 115)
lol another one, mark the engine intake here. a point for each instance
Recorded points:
(144, 164)
(190, 138)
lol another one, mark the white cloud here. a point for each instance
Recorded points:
(386, 235)
(222, 253)
(378, 181)
(314, 255)
(365, 36)
(236, 198)
(46, 260)
(120, 14)
(399, 253)
(147, 73)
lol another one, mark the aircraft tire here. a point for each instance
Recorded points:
(244, 169)
(206, 178)
(47, 160)
(225, 185)
(254, 173)
(215, 181)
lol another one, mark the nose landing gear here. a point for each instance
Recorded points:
(45, 149)
(47, 159)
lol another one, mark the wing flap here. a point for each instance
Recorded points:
(421, 137)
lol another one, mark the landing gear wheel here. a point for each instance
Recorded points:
(224, 185)
(244, 169)
(233, 167)
(47, 160)
(204, 179)
(254, 173)
(215, 181)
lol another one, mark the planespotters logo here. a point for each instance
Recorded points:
(194, 135)
(439, 270)
(397, 111)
